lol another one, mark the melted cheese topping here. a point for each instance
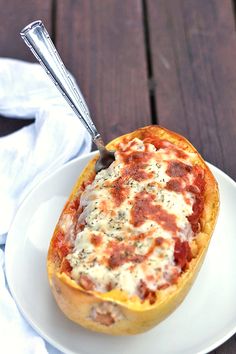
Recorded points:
(133, 214)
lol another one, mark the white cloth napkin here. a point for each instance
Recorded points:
(27, 156)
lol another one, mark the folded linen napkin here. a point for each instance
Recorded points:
(27, 156)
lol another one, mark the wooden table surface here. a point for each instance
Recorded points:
(141, 62)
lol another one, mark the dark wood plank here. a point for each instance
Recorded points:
(14, 16)
(227, 348)
(193, 47)
(102, 43)
(8, 126)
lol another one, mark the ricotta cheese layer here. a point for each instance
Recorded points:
(137, 220)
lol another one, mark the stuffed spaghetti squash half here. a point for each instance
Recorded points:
(131, 239)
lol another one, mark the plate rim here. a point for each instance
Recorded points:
(27, 318)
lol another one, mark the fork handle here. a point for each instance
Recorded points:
(37, 38)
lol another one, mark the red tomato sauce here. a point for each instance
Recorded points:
(144, 209)
(72, 206)
(135, 157)
(175, 185)
(87, 182)
(182, 253)
(121, 253)
(178, 169)
(65, 266)
(59, 244)
(136, 172)
(145, 293)
(86, 283)
(198, 191)
(163, 144)
(119, 191)
(158, 143)
(96, 240)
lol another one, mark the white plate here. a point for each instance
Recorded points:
(206, 318)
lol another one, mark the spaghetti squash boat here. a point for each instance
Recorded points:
(131, 239)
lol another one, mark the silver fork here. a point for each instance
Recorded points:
(38, 40)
